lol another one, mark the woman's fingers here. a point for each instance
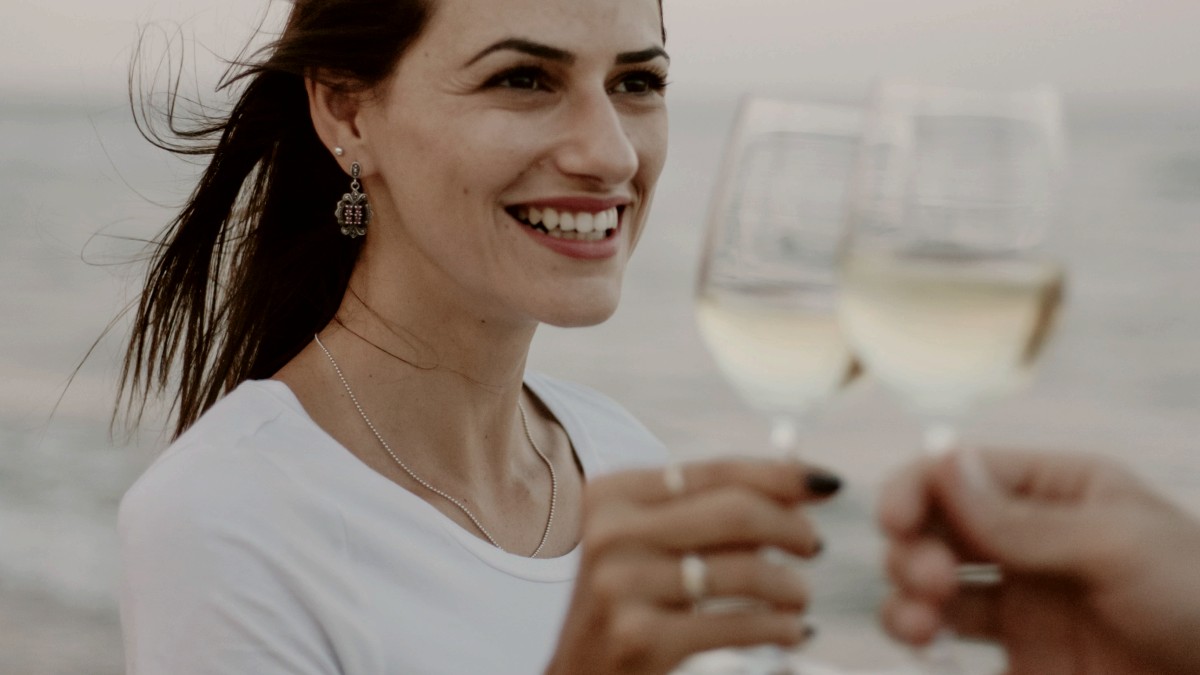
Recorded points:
(721, 518)
(656, 642)
(783, 481)
(659, 543)
(660, 579)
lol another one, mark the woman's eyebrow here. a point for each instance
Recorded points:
(642, 56)
(527, 47)
(543, 51)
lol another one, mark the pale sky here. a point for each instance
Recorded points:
(1124, 47)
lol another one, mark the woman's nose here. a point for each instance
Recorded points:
(595, 143)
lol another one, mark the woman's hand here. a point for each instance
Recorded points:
(633, 611)
(1100, 575)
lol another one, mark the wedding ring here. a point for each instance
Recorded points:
(979, 574)
(673, 479)
(695, 576)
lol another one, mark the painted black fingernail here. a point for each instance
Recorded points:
(818, 547)
(822, 483)
(809, 631)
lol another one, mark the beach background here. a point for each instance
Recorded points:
(79, 188)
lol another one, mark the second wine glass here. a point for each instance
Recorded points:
(950, 275)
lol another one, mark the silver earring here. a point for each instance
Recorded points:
(353, 212)
(339, 151)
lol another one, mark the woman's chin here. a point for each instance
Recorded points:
(582, 314)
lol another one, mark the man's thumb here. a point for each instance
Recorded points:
(1019, 533)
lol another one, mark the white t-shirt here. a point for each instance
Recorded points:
(257, 544)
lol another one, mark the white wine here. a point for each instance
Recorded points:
(947, 331)
(780, 353)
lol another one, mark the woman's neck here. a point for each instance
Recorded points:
(431, 373)
(443, 391)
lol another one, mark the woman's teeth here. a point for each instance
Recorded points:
(581, 225)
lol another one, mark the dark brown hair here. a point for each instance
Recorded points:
(253, 265)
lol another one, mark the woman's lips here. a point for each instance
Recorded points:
(581, 234)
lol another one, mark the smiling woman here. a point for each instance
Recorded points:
(365, 478)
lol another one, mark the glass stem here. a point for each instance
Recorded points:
(938, 657)
(785, 441)
(941, 437)
(785, 436)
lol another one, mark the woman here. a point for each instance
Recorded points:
(382, 487)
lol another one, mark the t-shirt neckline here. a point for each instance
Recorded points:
(559, 568)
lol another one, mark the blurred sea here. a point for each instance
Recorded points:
(78, 187)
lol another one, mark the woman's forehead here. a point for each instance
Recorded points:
(621, 25)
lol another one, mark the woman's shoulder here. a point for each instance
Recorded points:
(600, 428)
(590, 405)
(221, 467)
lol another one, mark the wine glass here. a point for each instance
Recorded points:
(949, 280)
(767, 283)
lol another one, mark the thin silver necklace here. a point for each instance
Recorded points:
(411, 474)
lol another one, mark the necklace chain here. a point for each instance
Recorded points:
(424, 483)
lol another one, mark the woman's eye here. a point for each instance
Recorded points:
(643, 82)
(529, 79)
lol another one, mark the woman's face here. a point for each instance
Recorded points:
(514, 153)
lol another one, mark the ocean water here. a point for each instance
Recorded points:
(79, 188)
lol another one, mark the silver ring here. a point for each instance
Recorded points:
(673, 479)
(695, 576)
(980, 575)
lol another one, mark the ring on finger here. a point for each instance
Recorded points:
(673, 479)
(979, 574)
(695, 576)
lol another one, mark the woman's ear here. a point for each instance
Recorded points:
(335, 115)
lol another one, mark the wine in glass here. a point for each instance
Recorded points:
(950, 281)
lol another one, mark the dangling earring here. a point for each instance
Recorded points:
(353, 212)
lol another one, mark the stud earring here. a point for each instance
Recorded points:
(339, 151)
(353, 212)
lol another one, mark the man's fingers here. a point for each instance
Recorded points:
(1038, 524)
(925, 568)
(905, 500)
(910, 620)
(1042, 475)
(972, 613)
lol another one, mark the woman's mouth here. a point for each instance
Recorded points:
(570, 225)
